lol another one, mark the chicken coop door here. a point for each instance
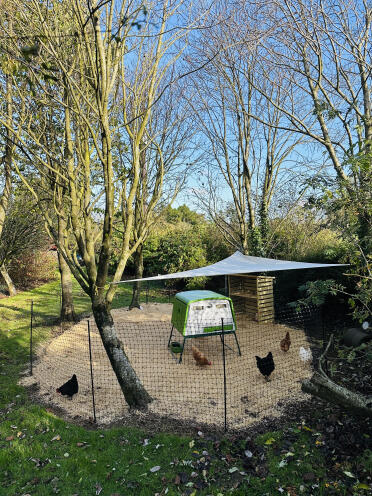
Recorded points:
(253, 296)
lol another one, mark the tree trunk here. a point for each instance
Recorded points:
(138, 262)
(264, 226)
(135, 394)
(8, 280)
(7, 160)
(322, 386)
(67, 305)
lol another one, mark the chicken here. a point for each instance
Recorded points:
(266, 365)
(69, 388)
(305, 355)
(285, 343)
(199, 357)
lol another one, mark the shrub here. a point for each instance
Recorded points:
(33, 268)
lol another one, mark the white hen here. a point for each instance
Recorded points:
(305, 355)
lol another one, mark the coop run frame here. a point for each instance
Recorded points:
(231, 393)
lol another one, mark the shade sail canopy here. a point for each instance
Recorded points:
(237, 264)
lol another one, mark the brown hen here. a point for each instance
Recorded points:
(199, 357)
(285, 343)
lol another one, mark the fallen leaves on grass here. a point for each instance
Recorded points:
(269, 441)
(360, 485)
(349, 474)
(155, 469)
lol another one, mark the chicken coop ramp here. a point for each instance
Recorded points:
(238, 264)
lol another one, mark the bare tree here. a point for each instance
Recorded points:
(248, 157)
(15, 72)
(7, 82)
(88, 62)
(165, 147)
(319, 54)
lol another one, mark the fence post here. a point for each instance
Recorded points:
(224, 376)
(60, 308)
(147, 292)
(324, 334)
(324, 337)
(91, 374)
(31, 322)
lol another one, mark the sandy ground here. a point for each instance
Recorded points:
(183, 391)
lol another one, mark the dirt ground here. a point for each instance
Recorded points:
(183, 391)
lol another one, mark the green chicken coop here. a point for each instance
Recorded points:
(202, 313)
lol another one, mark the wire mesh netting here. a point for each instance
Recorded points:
(195, 379)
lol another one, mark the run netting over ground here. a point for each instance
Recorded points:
(231, 391)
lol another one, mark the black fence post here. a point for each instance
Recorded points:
(60, 309)
(31, 323)
(224, 376)
(91, 374)
(324, 333)
(324, 337)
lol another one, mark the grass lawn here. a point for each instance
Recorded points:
(41, 454)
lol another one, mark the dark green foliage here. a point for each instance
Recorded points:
(183, 214)
(304, 237)
(179, 248)
(183, 240)
(348, 207)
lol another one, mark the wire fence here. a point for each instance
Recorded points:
(222, 378)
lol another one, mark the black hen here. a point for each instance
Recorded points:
(69, 388)
(266, 365)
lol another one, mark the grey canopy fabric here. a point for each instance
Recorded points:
(237, 264)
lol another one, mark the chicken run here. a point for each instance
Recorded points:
(186, 391)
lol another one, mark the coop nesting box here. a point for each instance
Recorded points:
(200, 312)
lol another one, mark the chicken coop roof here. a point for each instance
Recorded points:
(238, 264)
(199, 295)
